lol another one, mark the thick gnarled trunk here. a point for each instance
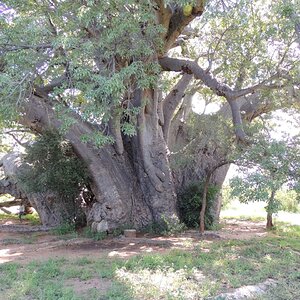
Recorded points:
(135, 187)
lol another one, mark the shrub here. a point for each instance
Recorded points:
(51, 165)
(96, 236)
(289, 200)
(166, 226)
(189, 205)
(65, 228)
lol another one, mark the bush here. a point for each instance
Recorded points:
(51, 165)
(288, 200)
(96, 236)
(166, 226)
(65, 228)
(189, 205)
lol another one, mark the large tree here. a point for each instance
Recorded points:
(96, 70)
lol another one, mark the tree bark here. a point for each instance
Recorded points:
(270, 224)
(134, 187)
(203, 204)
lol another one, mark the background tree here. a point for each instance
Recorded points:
(266, 167)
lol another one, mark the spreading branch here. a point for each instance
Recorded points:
(10, 133)
(220, 89)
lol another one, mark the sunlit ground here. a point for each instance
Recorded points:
(255, 211)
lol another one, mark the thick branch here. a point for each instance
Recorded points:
(237, 120)
(164, 13)
(172, 101)
(7, 187)
(191, 67)
(5, 210)
(220, 89)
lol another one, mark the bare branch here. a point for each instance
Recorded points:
(172, 100)
(17, 139)
(192, 67)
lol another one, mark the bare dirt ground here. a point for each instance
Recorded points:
(18, 243)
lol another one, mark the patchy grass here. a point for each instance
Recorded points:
(211, 269)
(96, 236)
(206, 270)
(4, 217)
(63, 229)
(26, 239)
(48, 280)
(33, 219)
(287, 237)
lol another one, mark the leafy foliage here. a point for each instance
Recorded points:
(103, 47)
(96, 236)
(166, 226)
(289, 200)
(189, 205)
(64, 229)
(52, 165)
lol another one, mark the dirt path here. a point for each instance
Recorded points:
(18, 244)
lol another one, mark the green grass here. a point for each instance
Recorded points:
(32, 218)
(46, 280)
(26, 239)
(206, 270)
(224, 265)
(287, 237)
(96, 236)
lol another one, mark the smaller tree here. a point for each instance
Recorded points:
(264, 169)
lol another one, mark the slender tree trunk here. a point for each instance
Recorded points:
(204, 202)
(205, 190)
(270, 224)
(269, 220)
